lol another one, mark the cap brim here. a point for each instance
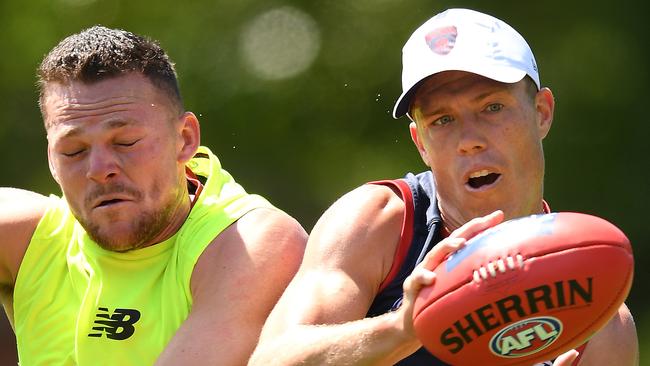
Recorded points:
(501, 74)
(404, 101)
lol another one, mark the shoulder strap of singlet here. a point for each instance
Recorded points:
(406, 233)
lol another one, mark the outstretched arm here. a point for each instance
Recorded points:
(320, 319)
(235, 284)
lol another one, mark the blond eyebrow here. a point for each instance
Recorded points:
(487, 93)
(490, 91)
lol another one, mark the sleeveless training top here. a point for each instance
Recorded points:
(421, 230)
(78, 304)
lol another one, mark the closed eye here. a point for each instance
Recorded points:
(127, 143)
(73, 154)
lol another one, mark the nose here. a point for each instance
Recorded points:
(472, 138)
(102, 165)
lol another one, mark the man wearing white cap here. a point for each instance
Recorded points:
(471, 87)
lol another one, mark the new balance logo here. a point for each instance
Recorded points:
(118, 326)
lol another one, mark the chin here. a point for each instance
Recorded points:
(115, 243)
(484, 209)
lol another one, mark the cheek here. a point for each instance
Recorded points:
(70, 178)
(527, 156)
(431, 145)
(444, 168)
(527, 143)
(155, 190)
(163, 180)
(441, 154)
(448, 189)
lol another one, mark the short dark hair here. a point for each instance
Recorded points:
(98, 53)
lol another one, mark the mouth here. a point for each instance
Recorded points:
(108, 202)
(482, 179)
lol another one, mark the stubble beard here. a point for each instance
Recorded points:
(141, 230)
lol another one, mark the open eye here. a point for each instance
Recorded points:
(494, 107)
(443, 120)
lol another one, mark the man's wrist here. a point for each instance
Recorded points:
(402, 328)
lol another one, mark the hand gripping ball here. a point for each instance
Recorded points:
(525, 291)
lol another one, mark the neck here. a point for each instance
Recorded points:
(453, 220)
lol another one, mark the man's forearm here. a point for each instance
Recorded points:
(370, 341)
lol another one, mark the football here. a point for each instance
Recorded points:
(525, 291)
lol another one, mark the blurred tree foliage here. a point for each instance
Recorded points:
(304, 139)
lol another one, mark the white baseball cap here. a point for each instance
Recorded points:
(464, 40)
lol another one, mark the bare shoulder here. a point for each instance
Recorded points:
(615, 344)
(350, 252)
(269, 230)
(348, 255)
(364, 222)
(368, 199)
(263, 242)
(20, 211)
(17, 196)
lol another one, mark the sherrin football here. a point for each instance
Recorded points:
(525, 291)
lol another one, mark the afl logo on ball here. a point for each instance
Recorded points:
(526, 337)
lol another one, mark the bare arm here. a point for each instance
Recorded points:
(615, 344)
(348, 255)
(20, 212)
(235, 284)
(320, 319)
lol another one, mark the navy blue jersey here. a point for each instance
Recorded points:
(421, 231)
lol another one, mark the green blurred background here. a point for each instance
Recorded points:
(295, 97)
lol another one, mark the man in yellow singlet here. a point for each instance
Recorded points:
(153, 254)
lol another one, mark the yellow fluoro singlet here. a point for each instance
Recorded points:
(78, 304)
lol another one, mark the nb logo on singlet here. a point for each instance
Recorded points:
(118, 326)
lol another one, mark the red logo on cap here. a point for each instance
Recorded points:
(442, 40)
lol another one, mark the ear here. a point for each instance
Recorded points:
(51, 165)
(189, 133)
(544, 109)
(413, 128)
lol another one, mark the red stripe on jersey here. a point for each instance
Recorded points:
(406, 234)
(198, 187)
(580, 350)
